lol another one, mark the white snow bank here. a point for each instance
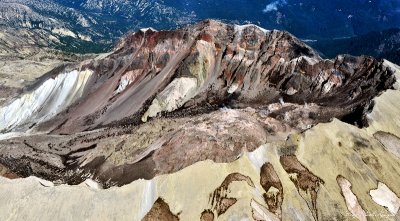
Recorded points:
(49, 99)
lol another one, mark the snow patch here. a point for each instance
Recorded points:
(144, 30)
(239, 28)
(351, 200)
(311, 61)
(258, 157)
(49, 99)
(386, 198)
(149, 197)
(122, 85)
(127, 79)
(233, 88)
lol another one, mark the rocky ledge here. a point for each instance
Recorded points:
(213, 121)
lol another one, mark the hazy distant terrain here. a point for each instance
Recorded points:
(384, 44)
(86, 23)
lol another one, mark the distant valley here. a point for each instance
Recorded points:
(384, 45)
(88, 26)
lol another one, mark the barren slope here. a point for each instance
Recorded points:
(222, 121)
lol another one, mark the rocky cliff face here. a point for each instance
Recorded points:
(233, 104)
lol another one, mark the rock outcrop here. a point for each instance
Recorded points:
(206, 82)
(212, 121)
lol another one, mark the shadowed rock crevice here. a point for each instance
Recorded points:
(219, 200)
(5, 172)
(207, 215)
(164, 100)
(306, 182)
(270, 182)
(160, 211)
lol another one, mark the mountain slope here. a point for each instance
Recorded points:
(191, 72)
(105, 21)
(384, 44)
(354, 188)
(213, 122)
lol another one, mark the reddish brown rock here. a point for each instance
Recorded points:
(207, 92)
(160, 211)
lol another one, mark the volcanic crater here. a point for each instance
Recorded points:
(164, 100)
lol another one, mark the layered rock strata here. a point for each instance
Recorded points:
(242, 122)
(165, 100)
